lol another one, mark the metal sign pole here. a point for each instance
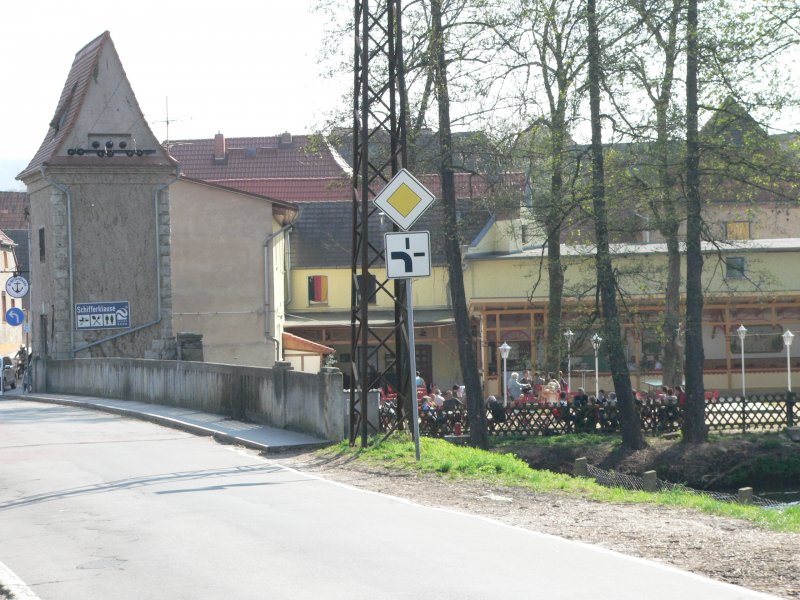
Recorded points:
(412, 361)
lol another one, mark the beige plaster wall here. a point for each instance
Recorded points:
(218, 266)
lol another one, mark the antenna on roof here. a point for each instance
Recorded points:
(167, 121)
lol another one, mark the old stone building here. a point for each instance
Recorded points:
(99, 219)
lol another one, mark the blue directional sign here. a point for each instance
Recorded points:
(15, 317)
(102, 315)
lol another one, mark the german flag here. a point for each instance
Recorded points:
(318, 288)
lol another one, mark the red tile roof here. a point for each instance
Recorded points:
(295, 190)
(299, 157)
(14, 208)
(299, 168)
(475, 186)
(321, 189)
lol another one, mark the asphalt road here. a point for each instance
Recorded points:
(98, 506)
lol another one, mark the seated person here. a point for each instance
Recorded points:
(451, 403)
(580, 399)
(526, 382)
(514, 387)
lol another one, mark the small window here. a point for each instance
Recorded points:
(41, 244)
(735, 267)
(737, 230)
(524, 234)
(318, 289)
(5, 305)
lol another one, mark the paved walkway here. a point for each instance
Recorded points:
(252, 435)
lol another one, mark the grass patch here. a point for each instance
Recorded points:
(573, 440)
(461, 462)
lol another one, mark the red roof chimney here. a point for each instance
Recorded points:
(219, 148)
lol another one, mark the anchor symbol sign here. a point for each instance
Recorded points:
(17, 286)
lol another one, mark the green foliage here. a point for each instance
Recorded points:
(442, 458)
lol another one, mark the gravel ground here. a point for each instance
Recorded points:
(724, 549)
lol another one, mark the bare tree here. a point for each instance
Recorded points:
(606, 280)
(466, 343)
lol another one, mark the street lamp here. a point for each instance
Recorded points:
(596, 340)
(569, 335)
(742, 331)
(505, 349)
(788, 336)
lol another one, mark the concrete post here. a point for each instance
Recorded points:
(334, 404)
(650, 481)
(581, 468)
(746, 495)
(281, 396)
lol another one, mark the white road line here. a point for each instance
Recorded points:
(15, 585)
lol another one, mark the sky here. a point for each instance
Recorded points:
(240, 67)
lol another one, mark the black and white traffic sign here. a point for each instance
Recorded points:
(102, 315)
(17, 286)
(408, 254)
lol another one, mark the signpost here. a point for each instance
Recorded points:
(102, 315)
(408, 254)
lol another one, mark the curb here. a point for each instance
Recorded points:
(199, 430)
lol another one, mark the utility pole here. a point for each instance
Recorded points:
(379, 113)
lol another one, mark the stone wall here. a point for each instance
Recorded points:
(307, 402)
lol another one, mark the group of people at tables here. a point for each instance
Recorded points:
(528, 389)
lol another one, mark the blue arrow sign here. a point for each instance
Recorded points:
(15, 317)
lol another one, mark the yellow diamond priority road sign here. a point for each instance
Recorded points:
(404, 199)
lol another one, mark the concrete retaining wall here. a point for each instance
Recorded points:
(281, 397)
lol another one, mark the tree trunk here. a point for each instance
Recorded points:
(694, 426)
(478, 434)
(553, 225)
(606, 280)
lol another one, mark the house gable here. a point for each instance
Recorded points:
(97, 117)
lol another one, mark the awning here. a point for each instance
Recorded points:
(295, 342)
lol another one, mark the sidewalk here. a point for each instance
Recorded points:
(252, 435)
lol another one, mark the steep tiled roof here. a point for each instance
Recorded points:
(70, 101)
(322, 235)
(299, 156)
(14, 207)
(82, 73)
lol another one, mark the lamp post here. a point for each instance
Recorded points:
(788, 337)
(569, 335)
(596, 341)
(505, 349)
(742, 331)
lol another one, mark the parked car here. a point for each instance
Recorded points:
(9, 374)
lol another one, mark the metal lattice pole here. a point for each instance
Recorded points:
(379, 115)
